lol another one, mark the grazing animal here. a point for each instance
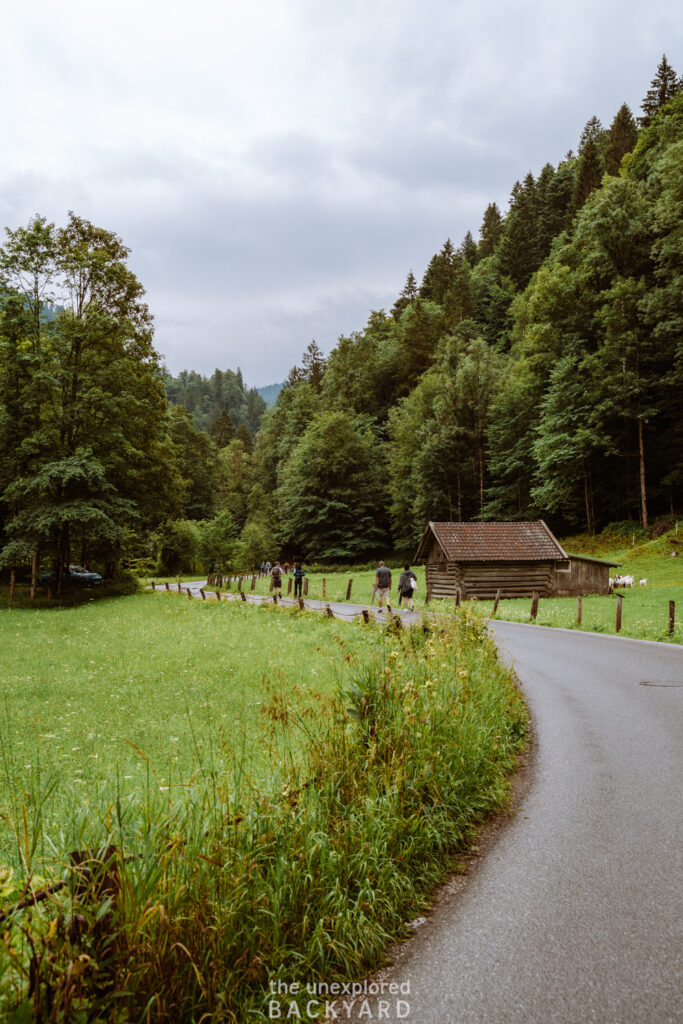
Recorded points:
(643, 583)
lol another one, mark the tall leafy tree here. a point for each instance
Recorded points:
(334, 490)
(95, 393)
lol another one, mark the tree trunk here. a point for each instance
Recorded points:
(34, 574)
(586, 492)
(641, 468)
(12, 581)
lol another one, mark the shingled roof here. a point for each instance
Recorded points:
(492, 542)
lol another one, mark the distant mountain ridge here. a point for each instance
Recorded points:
(269, 393)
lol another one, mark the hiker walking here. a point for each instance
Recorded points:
(383, 584)
(276, 576)
(407, 585)
(298, 579)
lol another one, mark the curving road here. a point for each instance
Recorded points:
(575, 914)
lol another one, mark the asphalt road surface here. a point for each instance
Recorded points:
(574, 915)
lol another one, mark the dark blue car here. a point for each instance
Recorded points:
(77, 575)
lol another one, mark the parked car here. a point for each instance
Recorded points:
(77, 576)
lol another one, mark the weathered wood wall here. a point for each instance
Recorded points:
(582, 578)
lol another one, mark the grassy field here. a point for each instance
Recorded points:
(151, 684)
(295, 789)
(645, 609)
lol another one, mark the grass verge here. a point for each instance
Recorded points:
(197, 902)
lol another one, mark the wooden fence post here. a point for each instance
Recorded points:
(306, 587)
(243, 595)
(218, 595)
(271, 584)
(374, 591)
(12, 581)
(239, 584)
(203, 594)
(289, 586)
(329, 611)
(534, 605)
(366, 615)
(154, 587)
(458, 597)
(348, 590)
(428, 595)
(672, 617)
(496, 602)
(168, 586)
(189, 593)
(179, 587)
(301, 603)
(579, 610)
(619, 600)
(324, 594)
(34, 574)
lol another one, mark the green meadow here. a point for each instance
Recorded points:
(258, 793)
(151, 690)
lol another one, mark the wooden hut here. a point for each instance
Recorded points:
(583, 575)
(481, 558)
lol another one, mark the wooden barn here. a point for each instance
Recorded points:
(516, 558)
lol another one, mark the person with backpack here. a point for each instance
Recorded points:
(383, 584)
(276, 576)
(407, 585)
(298, 579)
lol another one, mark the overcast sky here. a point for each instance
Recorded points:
(278, 167)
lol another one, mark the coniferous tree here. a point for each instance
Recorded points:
(664, 86)
(223, 430)
(620, 139)
(438, 276)
(491, 230)
(468, 249)
(592, 130)
(313, 364)
(589, 173)
(518, 252)
(408, 294)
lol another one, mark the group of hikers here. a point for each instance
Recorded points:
(277, 571)
(407, 583)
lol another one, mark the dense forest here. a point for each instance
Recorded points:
(534, 371)
(221, 405)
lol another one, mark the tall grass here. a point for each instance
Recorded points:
(195, 903)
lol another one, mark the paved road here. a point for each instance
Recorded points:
(575, 914)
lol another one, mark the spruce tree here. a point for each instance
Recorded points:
(620, 140)
(588, 176)
(468, 249)
(519, 253)
(491, 230)
(592, 130)
(408, 294)
(664, 86)
(438, 276)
